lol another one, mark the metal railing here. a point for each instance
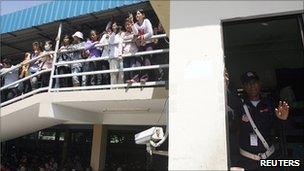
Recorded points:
(55, 65)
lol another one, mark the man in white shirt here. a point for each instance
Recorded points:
(9, 77)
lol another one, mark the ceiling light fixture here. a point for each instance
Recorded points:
(264, 24)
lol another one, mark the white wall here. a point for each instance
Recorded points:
(197, 102)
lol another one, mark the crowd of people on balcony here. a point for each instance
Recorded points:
(115, 42)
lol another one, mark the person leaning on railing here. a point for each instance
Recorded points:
(144, 31)
(115, 53)
(63, 57)
(130, 47)
(34, 67)
(105, 51)
(93, 52)
(78, 55)
(46, 63)
(24, 72)
(9, 77)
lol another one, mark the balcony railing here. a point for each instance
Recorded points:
(54, 76)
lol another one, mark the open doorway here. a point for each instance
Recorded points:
(272, 47)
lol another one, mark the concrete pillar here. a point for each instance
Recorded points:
(67, 140)
(162, 10)
(98, 152)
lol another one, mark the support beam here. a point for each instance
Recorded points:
(41, 33)
(94, 16)
(119, 10)
(99, 143)
(12, 46)
(45, 36)
(12, 34)
(70, 24)
(162, 10)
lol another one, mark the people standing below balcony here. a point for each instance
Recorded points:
(46, 63)
(9, 77)
(34, 66)
(161, 43)
(77, 55)
(26, 85)
(93, 52)
(130, 47)
(115, 54)
(144, 31)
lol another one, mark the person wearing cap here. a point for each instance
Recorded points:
(257, 116)
(77, 55)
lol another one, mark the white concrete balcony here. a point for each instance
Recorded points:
(110, 107)
(113, 104)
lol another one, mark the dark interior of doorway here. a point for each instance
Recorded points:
(273, 48)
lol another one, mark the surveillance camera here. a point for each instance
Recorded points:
(155, 134)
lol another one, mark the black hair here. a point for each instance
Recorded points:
(7, 61)
(96, 32)
(49, 42)
(141, 11)
(119, 28)
(38, 44)
(68, 36)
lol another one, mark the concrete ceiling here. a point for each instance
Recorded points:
(111, 107)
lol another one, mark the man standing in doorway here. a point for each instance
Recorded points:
(257, 116)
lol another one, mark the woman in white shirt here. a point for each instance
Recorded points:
(115, 54)
(46, 63)
(144, 31)
(130, 47)
(34, 66)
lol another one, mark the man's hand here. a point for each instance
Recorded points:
(131, 18)
(282, 110)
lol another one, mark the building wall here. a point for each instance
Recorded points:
(197, 100)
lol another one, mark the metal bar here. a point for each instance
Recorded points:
(113, 70)
(107, 57)
(101, 45)
(55, 56)
(24, 96)
(159, 152)
(26, 78)
(128, 41)
(154, 83)
(34, 59)
(301, 23)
